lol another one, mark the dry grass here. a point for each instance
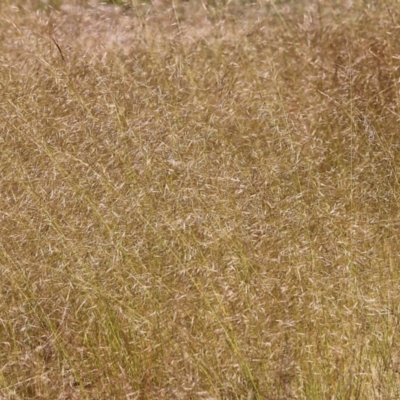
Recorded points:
(199, 201)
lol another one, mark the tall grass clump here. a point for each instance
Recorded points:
(199, 200)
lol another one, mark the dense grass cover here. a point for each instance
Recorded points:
(199, 200)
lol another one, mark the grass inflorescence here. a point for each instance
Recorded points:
(199, 200)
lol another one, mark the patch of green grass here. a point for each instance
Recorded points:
(116, 2)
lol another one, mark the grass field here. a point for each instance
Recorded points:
(199, 200)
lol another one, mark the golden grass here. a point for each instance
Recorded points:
(199, 200)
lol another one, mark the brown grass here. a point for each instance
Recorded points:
(199, 200)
